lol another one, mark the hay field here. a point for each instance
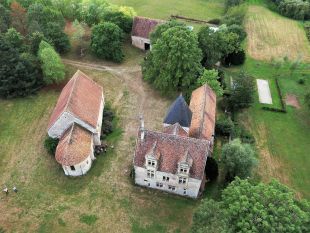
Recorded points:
(271, 35)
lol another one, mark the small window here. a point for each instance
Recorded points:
(184, 192)
(149, 184)
(72, 168)
(165, 178)
(159, 184)
(170, 187)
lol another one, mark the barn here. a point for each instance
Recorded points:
(141, 30)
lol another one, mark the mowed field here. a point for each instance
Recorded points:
(162, 9)
(271, 35)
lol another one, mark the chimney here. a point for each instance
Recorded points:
(142, 133)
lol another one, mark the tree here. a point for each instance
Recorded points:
(52, 67)
(173, 64)
(258, 208)
(242, 92)
(235, 58)
(238, 159)
(14, 38)
(209, 218)
(19, 18)
(51, 144)
(211, 169)
(35, 40)
(54, 34)
(43, 15)
(239, 30)
(106, 41)
(91, 10)
(307, 100)
(156, 34)
(4, 19)
(18, 76)
(224, 126)
(122, 17)
(210, 77)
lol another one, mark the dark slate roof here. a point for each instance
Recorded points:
(179, 112)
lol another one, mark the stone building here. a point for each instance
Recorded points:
(141, 30)
(76, 121)
(174, 160)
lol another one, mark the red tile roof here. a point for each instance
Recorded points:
(203, 107)
(172, 149)
(175, 129)
(142, 27)
(74, 146)
(81, 97)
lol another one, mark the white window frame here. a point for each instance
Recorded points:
(150, 174)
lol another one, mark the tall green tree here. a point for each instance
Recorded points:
(14, 38)
(156, 34)
(106, 41)
(35, 40)
(238, 159)
(257, 208)
(173, 64)
(18, 76)
(242, 91)
(4, 19)
(54, 33)
(52, 67)
(91, 11)
(210, 77)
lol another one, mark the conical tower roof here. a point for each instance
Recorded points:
(179, 112)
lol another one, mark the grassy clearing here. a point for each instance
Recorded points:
(162, 9)
(282, 139)
(271, 35)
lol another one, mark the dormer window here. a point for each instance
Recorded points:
(151, 163)
(182, 180)
(183, 170)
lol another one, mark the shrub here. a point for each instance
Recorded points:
(224, 126)
(244, 135)
(235, 58)
(214, 21)
(35, 40)
(52, 66)
(238, 159)
(235, 15)
(307, 29)
(211, 169)
(14, 38)
(50, 145)
(301, 81)
(106, 41)
(107, 122)
(239, 30)
(296, 9)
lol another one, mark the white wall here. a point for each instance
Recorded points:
(65, 120)
(81, 168)
(99, 123)
(139, 42)
(192, 187)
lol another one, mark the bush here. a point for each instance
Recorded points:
(239, 30)
(235, 58)
(301, 81)
(106, 41)
(224, 126)
(35, 40)
(50, 145)
(107, 122)
(211, 169)
(296, 9)
(244, 135)
(235, 15)
(214, 21)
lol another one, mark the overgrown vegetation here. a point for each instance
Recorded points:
(295, 9)
(50, 145)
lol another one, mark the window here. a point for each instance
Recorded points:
(182, 180)
(170, 187)
(183, 170)
(160, 185)
(150, 174)
(165, 178)
(184, 192)
(151, 163)
(72, 168)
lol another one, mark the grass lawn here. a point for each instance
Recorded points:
(272, 35)
(282, 139)
(163, 9)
